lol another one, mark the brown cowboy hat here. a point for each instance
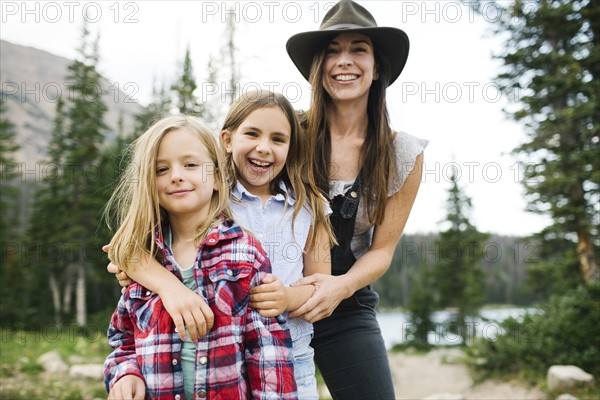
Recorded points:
(348, 16)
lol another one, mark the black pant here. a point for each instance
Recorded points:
(351, 355)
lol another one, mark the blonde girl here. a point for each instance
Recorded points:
(172, 205)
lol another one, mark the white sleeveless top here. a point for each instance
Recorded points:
(407, 148)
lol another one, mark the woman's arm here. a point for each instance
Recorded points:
(331, 290)
(273, 298)
(186, 307)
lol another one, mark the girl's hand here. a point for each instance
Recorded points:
(270, 297)
(330, 291)
(122, 277)
(128, 387)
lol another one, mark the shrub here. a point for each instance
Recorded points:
(565, 333)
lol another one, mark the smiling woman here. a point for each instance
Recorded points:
(361, 163)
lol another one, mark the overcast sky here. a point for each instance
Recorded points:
(446, 93)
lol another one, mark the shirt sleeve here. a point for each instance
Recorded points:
(123, 360)
(268, 350)
(407, 148)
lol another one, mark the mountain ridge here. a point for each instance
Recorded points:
(32, 79)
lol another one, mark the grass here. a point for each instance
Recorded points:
(21, 377)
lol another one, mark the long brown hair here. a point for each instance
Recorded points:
(297, 174)
(377, 154)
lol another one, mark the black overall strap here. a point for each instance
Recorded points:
(343, 218)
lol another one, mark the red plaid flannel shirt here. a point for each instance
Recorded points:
(245, 355)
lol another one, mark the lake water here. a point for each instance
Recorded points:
(394, 325)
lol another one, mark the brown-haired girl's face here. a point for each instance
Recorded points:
(349, 67)
(185, 175)
(259, 148)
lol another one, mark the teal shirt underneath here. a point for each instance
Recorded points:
(188, 350)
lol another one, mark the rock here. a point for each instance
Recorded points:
(566, 396)
(52, 363)
(91, 371)
(445, 396)
(564, 377)
(77, 360)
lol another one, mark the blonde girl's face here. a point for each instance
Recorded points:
(349, 68)
(185, 175)
(259, 148)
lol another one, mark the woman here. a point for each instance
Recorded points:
(372, 175)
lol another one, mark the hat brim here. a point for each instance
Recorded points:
(392, 43)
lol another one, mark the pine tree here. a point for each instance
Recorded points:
(10, 239)
(66, 212)
(457, 280)
(160, 106)
(552, 61)
(185, 88)
(49, 224)
(8, 172)
(230, 53)
(421, 304)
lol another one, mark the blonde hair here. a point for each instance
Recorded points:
(297, 173)
(134, 204)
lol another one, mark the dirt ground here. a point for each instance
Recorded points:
(438, 375)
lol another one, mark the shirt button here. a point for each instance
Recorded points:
(148, 293)
(174, 361)
(353, 194)
(203, 360)
(202, 393)
(177, 396)
(211, 240)
(229, 272)
(176, 330)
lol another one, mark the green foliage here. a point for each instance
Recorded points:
(456, 278)
(185, 89)
(21, 374)
(65, 218)
(552, 62)
(421, 304)
(565, 333)
(506, 263)
(159, 107)
(10, 267)
(8, 189)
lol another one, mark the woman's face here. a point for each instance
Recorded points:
(349, 67)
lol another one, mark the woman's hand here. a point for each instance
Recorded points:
(270, 297)
(330, 291)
